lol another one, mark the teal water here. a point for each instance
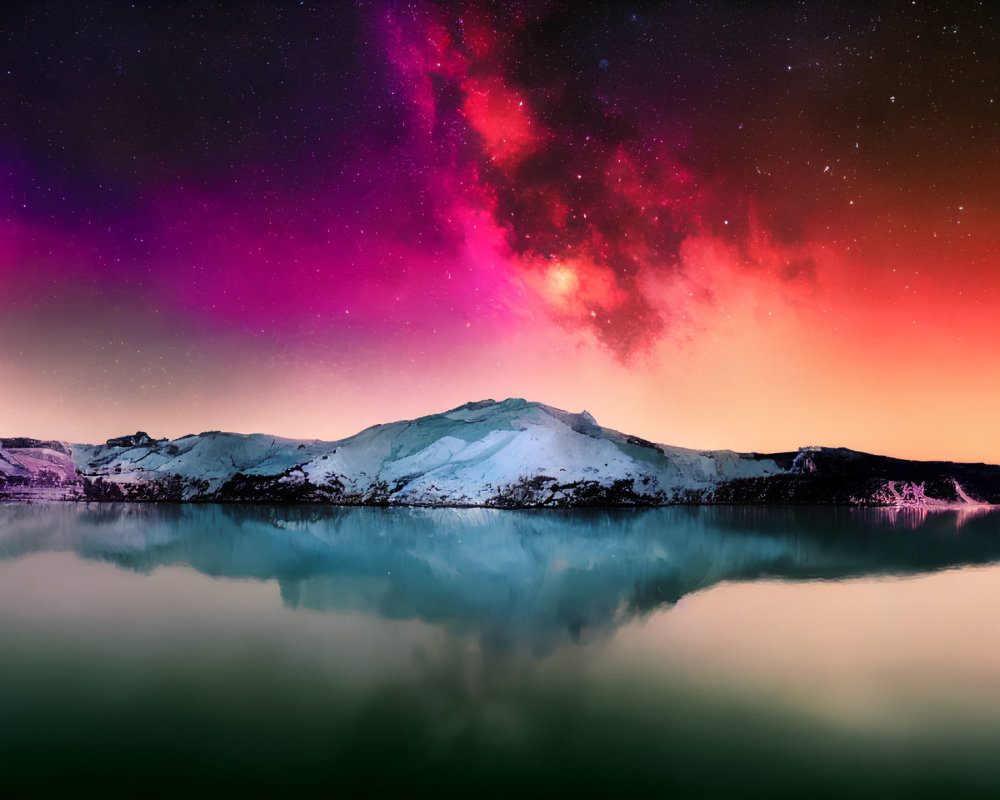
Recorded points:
(160, 650)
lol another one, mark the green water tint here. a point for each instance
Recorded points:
(314, 651)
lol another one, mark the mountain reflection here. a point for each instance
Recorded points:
(517, 579)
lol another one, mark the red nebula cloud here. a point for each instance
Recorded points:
(587, 217)
(500, 117)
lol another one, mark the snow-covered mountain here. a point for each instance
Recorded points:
(509, 454)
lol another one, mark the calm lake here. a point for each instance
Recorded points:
(150, 650)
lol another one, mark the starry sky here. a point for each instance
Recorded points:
(711, 224)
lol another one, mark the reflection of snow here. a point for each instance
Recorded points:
(521, 580)
(912, 517)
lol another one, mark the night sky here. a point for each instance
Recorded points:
(712, 224)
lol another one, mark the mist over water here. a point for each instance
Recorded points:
(314, 650)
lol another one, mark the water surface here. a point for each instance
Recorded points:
(162, 649)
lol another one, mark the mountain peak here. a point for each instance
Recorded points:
(137, 439)
(479, 405)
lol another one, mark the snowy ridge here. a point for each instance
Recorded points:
(509, 454)
(36, 470)
(906, 494)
